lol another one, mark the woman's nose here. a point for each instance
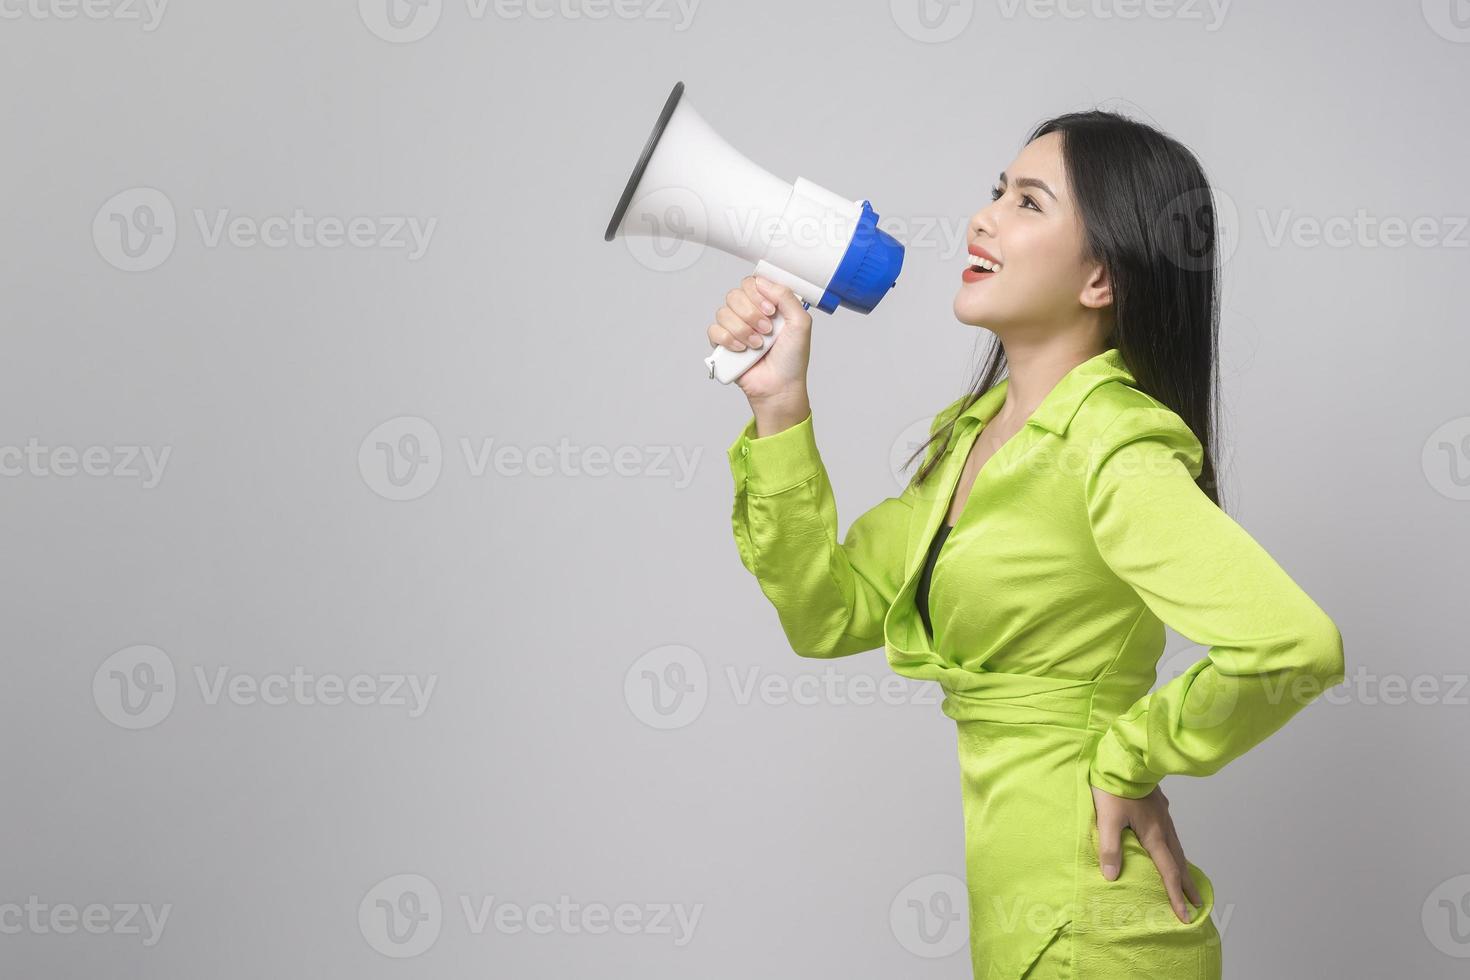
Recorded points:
(981, 221)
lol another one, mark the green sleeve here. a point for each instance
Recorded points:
(831, 598)
(1272, 650)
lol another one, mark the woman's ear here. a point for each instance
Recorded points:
(1098, 292)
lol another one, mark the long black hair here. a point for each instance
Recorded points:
(1149, 218)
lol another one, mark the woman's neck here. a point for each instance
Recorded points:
(1033, 371)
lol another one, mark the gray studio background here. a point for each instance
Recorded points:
(204, 543)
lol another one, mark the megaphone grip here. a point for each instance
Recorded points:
(726, 365)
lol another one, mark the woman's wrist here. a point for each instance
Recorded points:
(777, 413)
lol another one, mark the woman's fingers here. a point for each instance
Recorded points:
(1190, 888)
(758, 301)
(738, 327)
(1155, 842)
(1149, 819)
(745, 319)
(786, 302)
(745, 302)
(1109, 846)
(748, 322)
(720, 337)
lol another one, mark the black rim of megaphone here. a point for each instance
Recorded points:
(653, 138)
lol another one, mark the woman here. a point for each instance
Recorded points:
(1062, 516)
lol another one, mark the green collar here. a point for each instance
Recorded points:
(1055, 412)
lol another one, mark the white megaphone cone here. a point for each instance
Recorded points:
(690, 186)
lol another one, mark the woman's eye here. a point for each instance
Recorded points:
(996, 193)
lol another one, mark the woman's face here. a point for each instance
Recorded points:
(1035, 232)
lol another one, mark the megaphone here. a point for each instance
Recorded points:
(691, 185)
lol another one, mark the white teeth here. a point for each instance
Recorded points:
(986, 264)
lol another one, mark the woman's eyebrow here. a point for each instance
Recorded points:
(1030, 182)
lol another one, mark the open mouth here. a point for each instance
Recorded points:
(979, 268)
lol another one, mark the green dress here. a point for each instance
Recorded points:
(1082, 536)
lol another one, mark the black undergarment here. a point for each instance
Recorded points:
(921, 594)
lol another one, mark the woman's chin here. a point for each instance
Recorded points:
(967, 309)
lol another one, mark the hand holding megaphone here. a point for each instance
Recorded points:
(726, 365)
(691, 185)
(736, 331)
